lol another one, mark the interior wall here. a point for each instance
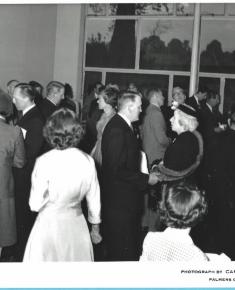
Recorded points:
(27, 42)
(68, 62)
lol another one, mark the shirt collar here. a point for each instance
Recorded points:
(125, 119)
(2, 118)
(155, 105)
(27, 109)
(209, 107)
(181, 235)
(50, 100)
(196, 98)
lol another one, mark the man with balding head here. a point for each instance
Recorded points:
(55, 94)
(123, 183)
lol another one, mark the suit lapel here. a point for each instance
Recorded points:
(124, 123)
(26, 117)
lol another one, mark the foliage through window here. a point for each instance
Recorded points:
(166, 44)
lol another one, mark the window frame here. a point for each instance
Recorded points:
(170, 73)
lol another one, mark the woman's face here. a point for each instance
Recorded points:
(175, 124)
(101, 102)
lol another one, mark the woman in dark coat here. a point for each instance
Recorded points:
(184, 155)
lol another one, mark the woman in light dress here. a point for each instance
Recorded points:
(61, 179)
(181, 208)
(107, 102)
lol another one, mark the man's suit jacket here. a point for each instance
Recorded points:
(12, 154)
(32, 122)
(122, 179)
(47, 108)
(193, 103)
(153, 131)
(209, 121)
(168, 113)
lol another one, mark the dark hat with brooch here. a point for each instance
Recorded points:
(6, 105)
(188, 110)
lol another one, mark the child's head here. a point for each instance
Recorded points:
(183, 205)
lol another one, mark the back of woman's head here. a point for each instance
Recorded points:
(110, 95)
(63, 130)
(189, 123)
(183, 205)
(68, 91)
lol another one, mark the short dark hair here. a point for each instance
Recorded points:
(63, 130)
(36, 85)
(127, 96)
(27, 90)
(202, 89)
(68, 91)
(110, 96)
(183, 205)
(12, 81)
(53, 84)
(211, 95)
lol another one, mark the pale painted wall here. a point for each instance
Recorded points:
(43, 43)
(27, 42)
(68, 61)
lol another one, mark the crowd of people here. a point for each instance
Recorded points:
(137, 180)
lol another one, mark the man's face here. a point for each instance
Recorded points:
(135, 109)
(21, 102)
(201, 96)
(96, 89)
(178, 95)
(160, 99)
(215, 102)
(101, 102)
(58, 95)
(132, 87)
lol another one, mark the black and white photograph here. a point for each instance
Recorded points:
(117, 135)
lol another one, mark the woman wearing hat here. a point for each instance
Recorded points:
(184, 155)
(11, 155)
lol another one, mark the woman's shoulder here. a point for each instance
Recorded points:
(152, 236)
(186, 137)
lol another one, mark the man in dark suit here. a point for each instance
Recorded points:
(210, 118)
(31, 124)
(195, 100)
(55, 94)
(210, 129)
(225, 187)
(123, 183)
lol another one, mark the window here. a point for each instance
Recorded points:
(230, 8)
(184, 9)
(212, 8)
(183, 82)
(110, 43)
(210, 83)
(217, 46)
(166, 44)
(150, 44)
(142, 81)
(229, 94)
(90, 79)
